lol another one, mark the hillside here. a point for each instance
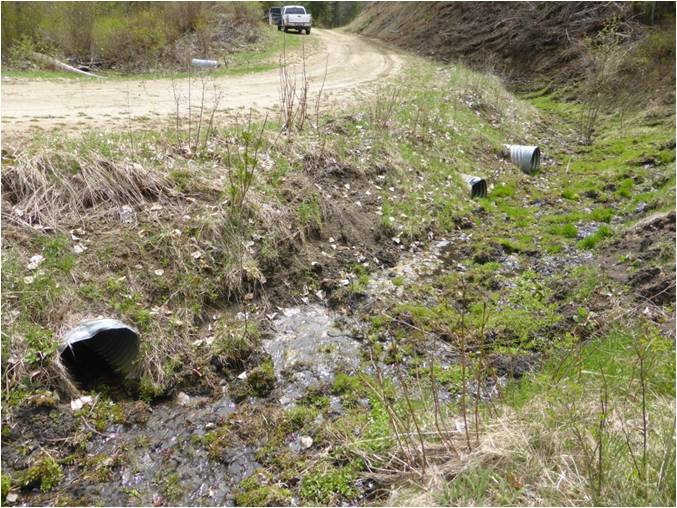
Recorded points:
(529, 43)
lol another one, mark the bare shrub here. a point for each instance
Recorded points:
(209, 101)
(381, 110)
(294, 93)
(605, 54)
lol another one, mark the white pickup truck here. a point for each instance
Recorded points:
(295, 17)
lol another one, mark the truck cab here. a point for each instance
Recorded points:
(295, 17)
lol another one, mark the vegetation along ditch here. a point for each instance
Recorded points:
(444, 283)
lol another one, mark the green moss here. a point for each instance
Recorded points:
(515, 213)
(587, 279)
(58, 253)
(41, 343)
(44, 398)
(309, 212)
(6, 485)
(299, 417)
(104, 413)
(261, 380)
(235, 343)
(264, 496)
(148, 389)
(99, 467)
(329, 487)
(525, 315)
(170, 486)
(511, 245)
(451, 377)
(345, 384)
(570, 194)
(255, 491)
(625, 188)
(216, 441)
(45, 473)
(504, 190)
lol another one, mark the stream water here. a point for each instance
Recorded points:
(157, 460)
(309, 344)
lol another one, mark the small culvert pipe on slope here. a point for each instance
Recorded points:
(527, 158)
(477, 186)
(96, 345)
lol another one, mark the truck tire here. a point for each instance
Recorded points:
(307, 31)
(279, 28)
(286, 29)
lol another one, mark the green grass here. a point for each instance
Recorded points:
(590, 242)
(46, 75)
(548, 425)
(565, 230)
(602, 214)
(538, 425)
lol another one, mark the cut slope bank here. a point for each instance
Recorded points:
(528, 42)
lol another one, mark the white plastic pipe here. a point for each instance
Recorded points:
(211, 64)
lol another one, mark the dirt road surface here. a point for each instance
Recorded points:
(350, 62)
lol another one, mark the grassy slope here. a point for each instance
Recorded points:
(408, 150)
(604, 363)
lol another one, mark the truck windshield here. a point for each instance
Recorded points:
(295, 10)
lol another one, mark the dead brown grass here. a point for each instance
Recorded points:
(47, 188)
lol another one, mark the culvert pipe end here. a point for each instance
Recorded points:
(527, 158)
(205, 64)
(100, 343)
(477, 186)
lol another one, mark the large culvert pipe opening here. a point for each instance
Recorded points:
(100, 351)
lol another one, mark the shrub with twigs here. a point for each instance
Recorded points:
(294, 93)
(242, 152)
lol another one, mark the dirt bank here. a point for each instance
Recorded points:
(527, 42)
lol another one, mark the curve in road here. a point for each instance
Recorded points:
(350, 61)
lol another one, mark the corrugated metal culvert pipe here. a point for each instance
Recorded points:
(527, 158)
(477, 186)
(100, 348)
